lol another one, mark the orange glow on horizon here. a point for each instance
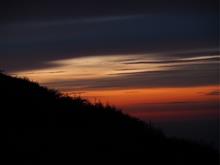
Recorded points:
(129, 100)
(127, 97)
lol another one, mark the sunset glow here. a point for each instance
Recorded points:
(153, 60)
(160, 103)
(147, 102)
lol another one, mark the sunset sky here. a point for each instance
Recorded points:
(156, 60)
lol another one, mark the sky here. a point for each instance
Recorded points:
(156, 60)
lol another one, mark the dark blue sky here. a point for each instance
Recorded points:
(33, 33)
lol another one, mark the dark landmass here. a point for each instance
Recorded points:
(40, 125)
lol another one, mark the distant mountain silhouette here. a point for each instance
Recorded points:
(40, 125)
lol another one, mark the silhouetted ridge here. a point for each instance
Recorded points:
(40, 125)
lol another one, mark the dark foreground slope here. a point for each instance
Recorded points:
(40, 125)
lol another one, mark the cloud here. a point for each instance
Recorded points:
(27, 45)
(214, 93)
(152, 45)
(177, 61)
(181, 76)
(178, 78)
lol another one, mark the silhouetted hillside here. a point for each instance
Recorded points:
(39, 125)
